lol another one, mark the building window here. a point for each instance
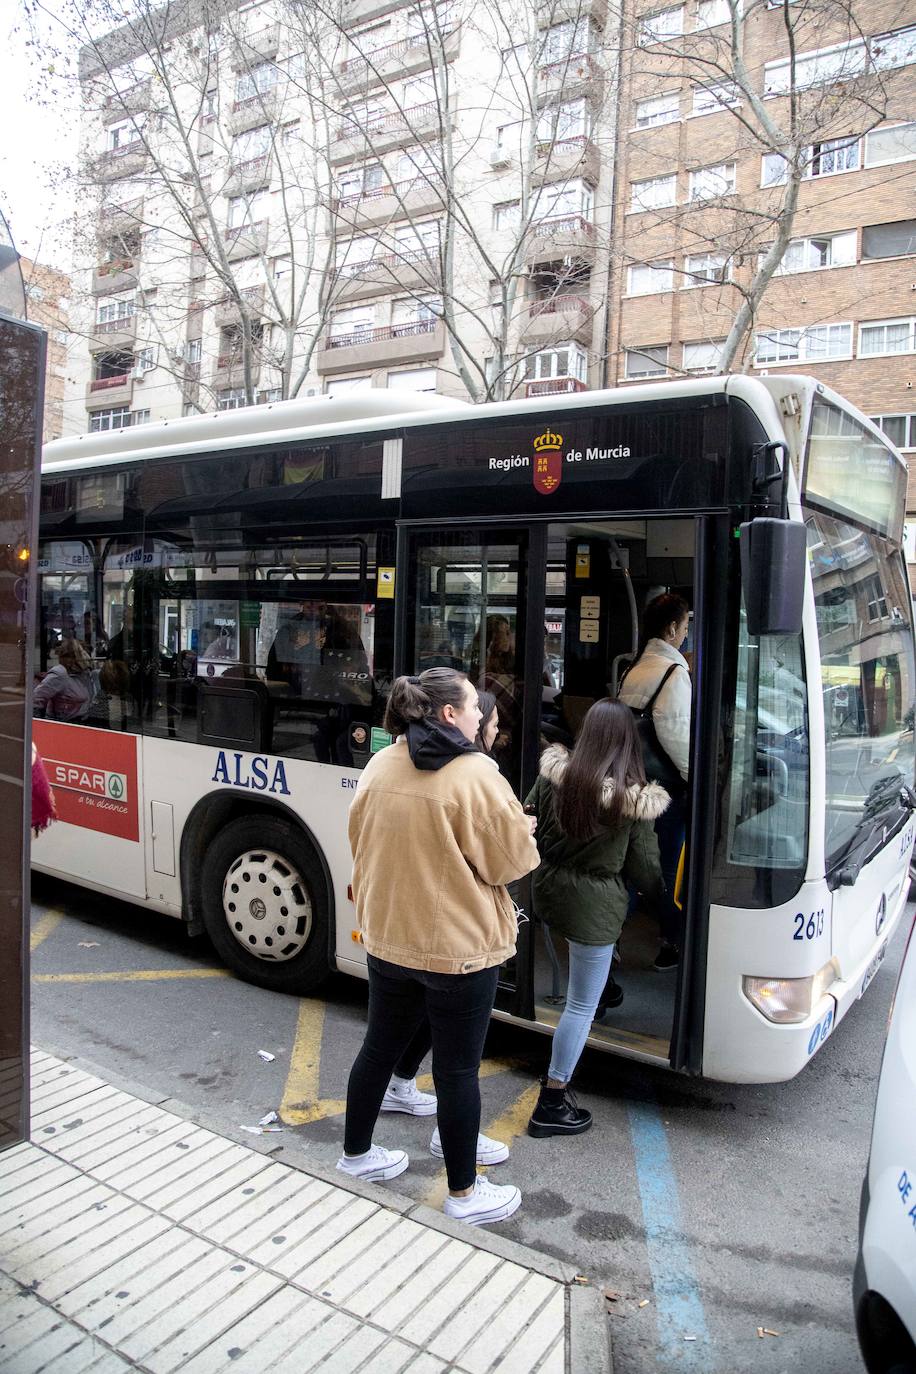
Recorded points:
(703, 357)
(814, 344)
(124, 134)
(875, 599)
(192, 350)
(116, 418)
(354, 325)
(145, 358)
(709, 182)
(564, 41)
(651, 361)
(900, 429)
(838, 63)
(713, 12)
(889, 51)
(406, 314)
(818, 252)
(507, 215)
(646, 279)
(656, 28)
(661, 109)
(341, 385)
(701, 269)
(569, 120)
(897, 144)
(139, 417)
(564, 361)
(412, 379)
(654, 193)
(825, 159)
(885, 337)
(559, 202)
(896, 240)
(256, 81)
(359, 181)
(231, 399)
(270, 396)
(246, 210)
(109, 312)
(711, 99)
(252, 145)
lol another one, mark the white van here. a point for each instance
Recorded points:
(884, 1285)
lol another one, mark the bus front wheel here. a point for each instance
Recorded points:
(265, 904)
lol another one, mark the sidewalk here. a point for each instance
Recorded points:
(132, 1238)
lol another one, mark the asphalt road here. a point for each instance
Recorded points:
(721, 1208)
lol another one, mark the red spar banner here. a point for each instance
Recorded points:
(94, 776)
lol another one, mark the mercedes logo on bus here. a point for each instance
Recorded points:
(882, 915)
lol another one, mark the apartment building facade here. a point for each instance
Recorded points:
(423, 204)
(47, 293)
(699, 190)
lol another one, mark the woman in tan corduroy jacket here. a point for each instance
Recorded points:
(436, 833)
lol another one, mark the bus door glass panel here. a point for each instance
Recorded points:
(768, 793)
(867, 679)
(465, 610)
(275, 648)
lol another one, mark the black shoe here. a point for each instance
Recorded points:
(611, 997)
(558, 1114)
(669, 956)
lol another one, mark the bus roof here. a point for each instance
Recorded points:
(284, 423)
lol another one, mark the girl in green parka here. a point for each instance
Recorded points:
(595, 815)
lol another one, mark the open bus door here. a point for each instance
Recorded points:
(547, 618)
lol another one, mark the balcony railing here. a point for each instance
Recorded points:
(577, 143)
(554, 386)
(242, 231)
(252, 167)
(389, 123)
(391, 331)
(113, 267)
(105, 383)
(124, 150)
(552, 225)
(130, 208)
(117, 326)
(387, 260)
(556, 305)
(259, 98)
(577, 66)
(431, 179)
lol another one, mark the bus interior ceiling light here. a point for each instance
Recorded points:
(788, 1000)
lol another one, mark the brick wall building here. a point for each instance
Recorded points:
(48, 301)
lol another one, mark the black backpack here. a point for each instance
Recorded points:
(656, 762)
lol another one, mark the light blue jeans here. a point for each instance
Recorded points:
(589, 966)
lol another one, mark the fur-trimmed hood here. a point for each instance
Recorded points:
(642, 803)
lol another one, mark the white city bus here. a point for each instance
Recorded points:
(247, 584)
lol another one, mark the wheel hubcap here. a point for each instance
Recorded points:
(267, 905)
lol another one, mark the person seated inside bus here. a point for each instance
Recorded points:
(296, 651)
(66, 692)
(435, 649)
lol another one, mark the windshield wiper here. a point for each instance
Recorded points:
(884, 793)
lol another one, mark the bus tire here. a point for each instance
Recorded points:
(265, 905)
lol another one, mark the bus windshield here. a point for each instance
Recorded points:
(867, 676)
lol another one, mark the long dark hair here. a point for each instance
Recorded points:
(487, 703)
(607, 748)
(415, 698)
(666, 609)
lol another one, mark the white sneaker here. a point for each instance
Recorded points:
(489, 1202)
(403, 1095)
(488, 1151)
(376, 1164)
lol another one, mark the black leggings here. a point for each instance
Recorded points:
(408, 1066)
(458, 1007)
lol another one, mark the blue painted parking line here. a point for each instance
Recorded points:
(677, 1295)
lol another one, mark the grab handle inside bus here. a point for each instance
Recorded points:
(773, 561)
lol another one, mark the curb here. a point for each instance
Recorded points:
(587, 1323)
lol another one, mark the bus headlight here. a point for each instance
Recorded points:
(788, 1000)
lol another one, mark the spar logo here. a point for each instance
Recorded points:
(548, 462)
(89, 782)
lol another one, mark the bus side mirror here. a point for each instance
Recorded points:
(774, 556)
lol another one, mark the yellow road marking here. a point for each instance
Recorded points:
(509, 1124)
(43, 927)
(301, 1103)
(147, 975)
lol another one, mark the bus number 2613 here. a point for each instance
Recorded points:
(808, 929)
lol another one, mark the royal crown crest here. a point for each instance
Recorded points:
(547, 469)
(548, 442)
